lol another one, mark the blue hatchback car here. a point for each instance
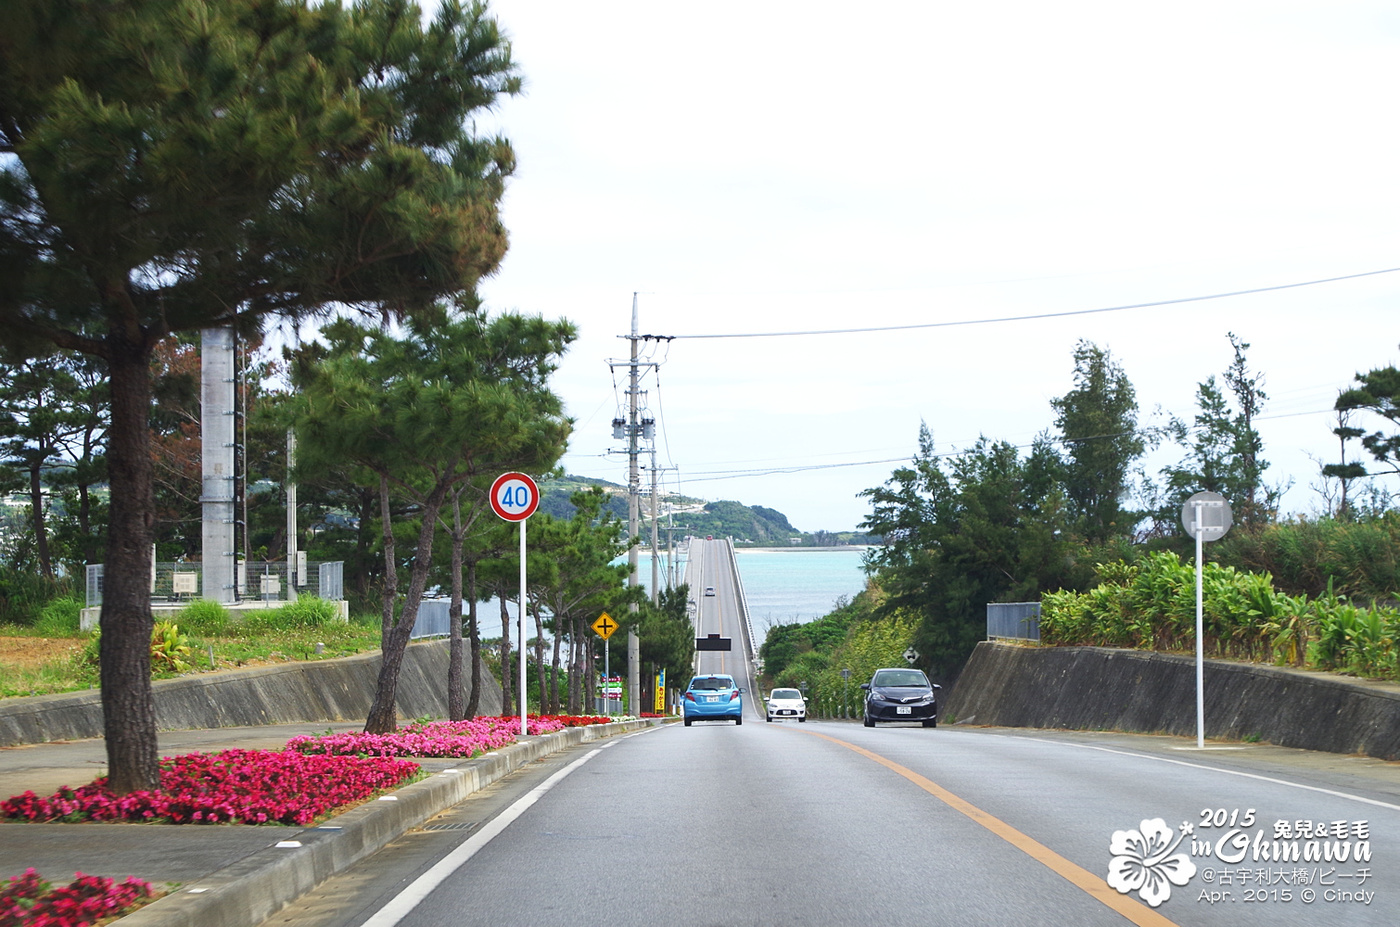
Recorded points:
(713, 698)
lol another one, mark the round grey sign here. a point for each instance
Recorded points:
(1207, 513)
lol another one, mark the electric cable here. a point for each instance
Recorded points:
(1042, 315)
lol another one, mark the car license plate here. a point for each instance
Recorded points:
(903, 710)
(712, 698)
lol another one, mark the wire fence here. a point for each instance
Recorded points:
(266, 582)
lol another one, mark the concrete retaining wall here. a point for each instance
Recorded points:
(1096, 688)
(323, 690)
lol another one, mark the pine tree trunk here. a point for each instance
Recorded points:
(128, 704)
(474, 634)
(456, 709)
(506, 689)
(539, 655)
(383, 712)
(41, 529)
(554, 682)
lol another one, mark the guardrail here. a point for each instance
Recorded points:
(743, 599)
(1013, 621)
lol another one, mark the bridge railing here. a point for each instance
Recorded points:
(743, 599)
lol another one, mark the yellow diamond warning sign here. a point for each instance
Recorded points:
(605, 626)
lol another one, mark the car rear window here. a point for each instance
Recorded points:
(900, 678)
(710, 682)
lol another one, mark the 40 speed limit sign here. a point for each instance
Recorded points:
(514, 496)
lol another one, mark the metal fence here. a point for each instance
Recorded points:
(433, 619)
(1015, 620)
(183, 582)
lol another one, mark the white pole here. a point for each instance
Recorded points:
(1200, 624)
(524, 697)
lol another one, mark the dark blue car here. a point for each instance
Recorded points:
(900, 694)
(715, 697)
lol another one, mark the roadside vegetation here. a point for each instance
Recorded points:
(303, 630)
(1073, 521)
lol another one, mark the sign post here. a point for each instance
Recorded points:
(1206, 517)
(604, 628)
(514, 497)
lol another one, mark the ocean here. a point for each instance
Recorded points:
(790, 586)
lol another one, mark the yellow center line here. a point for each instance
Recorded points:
(1081, 878)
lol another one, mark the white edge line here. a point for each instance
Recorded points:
(1229, 772)
(421, 887)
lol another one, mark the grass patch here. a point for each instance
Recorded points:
(35, 663)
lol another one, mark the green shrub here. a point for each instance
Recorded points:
(306, 612)
(1151, 605)
(60, 617)
(204, 617)
(169, 649)
(24, 593)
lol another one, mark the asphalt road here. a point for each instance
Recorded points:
(708, 566)
(829, 823)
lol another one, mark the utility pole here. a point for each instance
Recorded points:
(634, 428)
(655, 550)
(634, 653)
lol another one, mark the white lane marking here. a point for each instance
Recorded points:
(405, 901)
(1229, 772)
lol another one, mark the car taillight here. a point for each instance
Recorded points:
(733, 695)
(689, 697)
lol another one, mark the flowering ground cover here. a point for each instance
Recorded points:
(582, 720)
(312, 777)
(430, 739)
(31, 901)
(233, 786)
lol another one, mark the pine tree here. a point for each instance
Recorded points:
(172, 165)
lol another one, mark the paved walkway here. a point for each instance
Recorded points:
(158, 854)
(232, 875)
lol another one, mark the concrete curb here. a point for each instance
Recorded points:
(256, 887)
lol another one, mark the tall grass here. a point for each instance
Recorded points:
(1151, 604)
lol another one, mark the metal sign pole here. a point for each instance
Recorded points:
(514, 497)
(1200, 625)
(1193, 519)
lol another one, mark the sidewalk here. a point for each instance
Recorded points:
(234, 875)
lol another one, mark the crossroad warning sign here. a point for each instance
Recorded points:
(605, 626)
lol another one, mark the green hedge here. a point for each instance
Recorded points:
(1151, 604)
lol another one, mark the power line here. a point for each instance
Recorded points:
(707, 476)
(1043, 315)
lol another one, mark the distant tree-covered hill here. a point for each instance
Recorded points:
(754, 525)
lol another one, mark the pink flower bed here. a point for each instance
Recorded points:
(433, 739)
(581, 720)
(31, 901)
(239, 786)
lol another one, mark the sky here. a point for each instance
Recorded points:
(749, 168)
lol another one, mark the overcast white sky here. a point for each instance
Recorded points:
(766, 167)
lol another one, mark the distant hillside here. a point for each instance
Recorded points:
(754, 525)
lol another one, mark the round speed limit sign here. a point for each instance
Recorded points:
(514, 496)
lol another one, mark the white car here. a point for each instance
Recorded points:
(787, 703)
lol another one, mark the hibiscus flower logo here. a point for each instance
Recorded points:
(1145, 861)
